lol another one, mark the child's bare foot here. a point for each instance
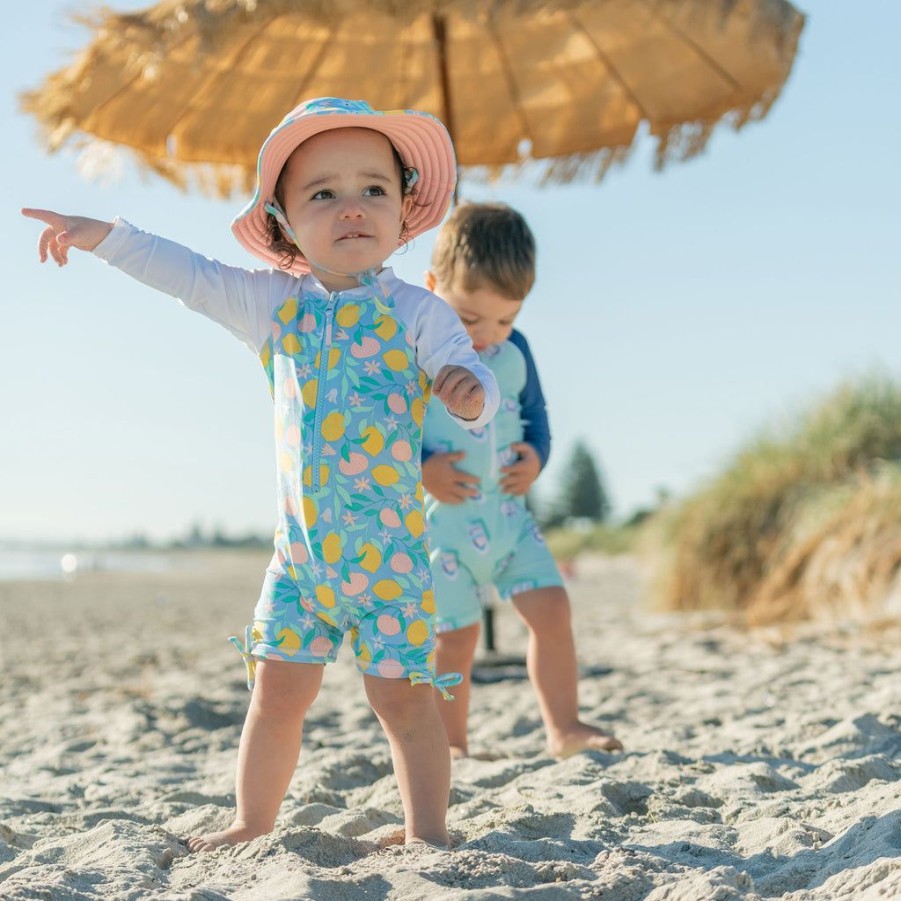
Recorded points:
(234, 835)
(582, 737)
(458, 753)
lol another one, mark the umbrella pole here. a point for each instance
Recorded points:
(439, 30)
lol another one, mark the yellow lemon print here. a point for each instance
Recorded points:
(310, 511)
(290, 343)
(417, 408)
(266, 354)
(308, 475)
(428, 601)
(288, 310)
(364, 655)
(414, 523)
(385, 475)
(396, 360)
(308, 392)
(372, 557)
(386, 590)
(417, 632)
(288, 641)
(331, 547)
(286, 461)
(386, 328)
(348, 316)
(333, 356)
(325, 595)
(333, 426)
(374, 442)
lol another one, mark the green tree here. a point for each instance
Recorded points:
(582, 493)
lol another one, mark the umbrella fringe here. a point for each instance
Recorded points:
(149, 35)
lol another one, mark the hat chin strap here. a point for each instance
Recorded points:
(363, 277)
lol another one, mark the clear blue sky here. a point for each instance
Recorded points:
(675, 314)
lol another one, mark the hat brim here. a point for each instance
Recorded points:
(421, 140)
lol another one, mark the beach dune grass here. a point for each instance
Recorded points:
(805, 521)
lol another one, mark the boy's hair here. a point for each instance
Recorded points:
(485, 245)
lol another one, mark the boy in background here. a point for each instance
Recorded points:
(480, 531)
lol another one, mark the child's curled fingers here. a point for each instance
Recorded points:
(445, 482)
(461, 392)
(62, 232)
(519, 475)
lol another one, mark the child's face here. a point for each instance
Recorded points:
(343, 198)
(487, 315)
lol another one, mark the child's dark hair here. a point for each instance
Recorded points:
(485, 245)
(288, 250)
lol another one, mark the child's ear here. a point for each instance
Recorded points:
(430, 281)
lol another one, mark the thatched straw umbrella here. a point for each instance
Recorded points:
(193, 86)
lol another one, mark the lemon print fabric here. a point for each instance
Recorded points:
(350, 549)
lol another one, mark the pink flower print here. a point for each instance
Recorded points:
(307, 605)
(411, 387)
(402, 451)
(341, 335)
(356, 584)
(401, 563)
(397, 403)
(372, 367)
(390, 669)
(365, 599)
(391, 424)
(422, 573)
(361, 485)
(411, 611)
(299, 552)
(388, 624)
(366, 348)
(354, 464)
(320, 646)
(307, 622)
(354, 399)
(304, 371)
(349, 519)
(389, 518)
(405, 501)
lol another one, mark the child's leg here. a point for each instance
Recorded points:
(551, 661)
(420, 754)
(454, 653)
(269, 748)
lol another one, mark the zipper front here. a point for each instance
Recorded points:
(324, 346)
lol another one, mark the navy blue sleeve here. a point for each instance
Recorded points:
(536, 428)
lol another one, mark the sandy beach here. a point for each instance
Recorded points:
(758, 765)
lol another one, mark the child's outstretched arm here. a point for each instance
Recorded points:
(63, 232)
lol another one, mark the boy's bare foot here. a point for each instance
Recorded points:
(458, 753)
(582, 737)
(234, 835)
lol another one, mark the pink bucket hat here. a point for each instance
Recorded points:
(421, 140)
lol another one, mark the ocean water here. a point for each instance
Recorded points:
(41, 563)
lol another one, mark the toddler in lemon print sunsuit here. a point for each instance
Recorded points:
(351, 354)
